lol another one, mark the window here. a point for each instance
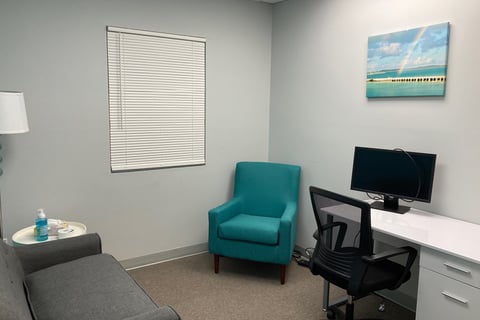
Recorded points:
(156, 86)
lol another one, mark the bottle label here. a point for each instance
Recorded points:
(41, 230)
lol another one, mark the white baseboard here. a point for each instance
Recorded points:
(164, 256)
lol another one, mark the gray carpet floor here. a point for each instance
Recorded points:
(245, 290)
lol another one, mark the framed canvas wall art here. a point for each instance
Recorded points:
(408, 63)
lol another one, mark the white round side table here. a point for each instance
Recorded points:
(26, 235)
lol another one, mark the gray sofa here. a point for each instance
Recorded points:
(71, 279)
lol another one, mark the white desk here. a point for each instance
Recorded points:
(449, 278)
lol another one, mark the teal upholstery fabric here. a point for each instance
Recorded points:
(259, 222)
(245, 227)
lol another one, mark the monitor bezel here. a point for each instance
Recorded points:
(392, 195)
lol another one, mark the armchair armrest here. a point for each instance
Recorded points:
(218, 215)
(225, 211)
(288, 230)
(42, 255)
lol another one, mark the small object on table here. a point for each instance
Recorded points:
(65, 233)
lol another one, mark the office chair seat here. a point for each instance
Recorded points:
(335, 264)
(379, 276)
(383, 275)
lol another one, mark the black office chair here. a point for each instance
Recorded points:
(344, 256)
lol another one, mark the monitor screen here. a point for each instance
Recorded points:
(393, 174)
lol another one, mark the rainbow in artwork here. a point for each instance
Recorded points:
(408, 63)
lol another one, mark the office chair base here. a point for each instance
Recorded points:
(334, 312)
(331, 314)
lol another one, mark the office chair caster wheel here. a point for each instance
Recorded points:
(330, 314)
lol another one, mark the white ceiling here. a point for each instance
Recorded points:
(270, 1)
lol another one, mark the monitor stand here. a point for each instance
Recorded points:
(390, 204)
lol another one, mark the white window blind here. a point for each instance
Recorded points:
(156, 99)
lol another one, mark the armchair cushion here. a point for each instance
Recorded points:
(257, 229)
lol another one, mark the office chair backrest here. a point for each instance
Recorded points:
(266, 187)
(343, 233)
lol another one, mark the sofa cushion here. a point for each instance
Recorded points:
(93, 287)
(13, 303)
(251, 228)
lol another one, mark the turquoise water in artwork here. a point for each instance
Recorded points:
(378, 90)
(426, 81)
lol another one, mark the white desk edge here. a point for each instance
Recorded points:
(441, 233)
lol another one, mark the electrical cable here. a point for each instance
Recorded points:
(374, 197)
(419, 173)
(303, 259)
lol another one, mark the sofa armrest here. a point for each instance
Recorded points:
(45, 254)
(163, 313)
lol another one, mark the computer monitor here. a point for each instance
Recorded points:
(393, 174)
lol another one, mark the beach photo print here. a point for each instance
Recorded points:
(409, 63)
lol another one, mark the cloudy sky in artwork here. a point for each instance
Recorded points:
(414, 48)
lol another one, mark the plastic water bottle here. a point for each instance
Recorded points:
(41, 225)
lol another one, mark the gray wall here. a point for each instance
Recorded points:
(55, 51)
(319, 111)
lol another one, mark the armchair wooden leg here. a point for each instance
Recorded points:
(283, 271)
(216, 261)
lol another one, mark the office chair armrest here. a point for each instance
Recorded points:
(412, 254)
(389, 254)
(341, 233)
(361, 268)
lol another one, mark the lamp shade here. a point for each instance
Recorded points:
(13, 117)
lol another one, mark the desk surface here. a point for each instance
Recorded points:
(444, 234)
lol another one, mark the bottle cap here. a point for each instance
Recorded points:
(41, 214)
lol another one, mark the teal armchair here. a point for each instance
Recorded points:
(259, 223)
